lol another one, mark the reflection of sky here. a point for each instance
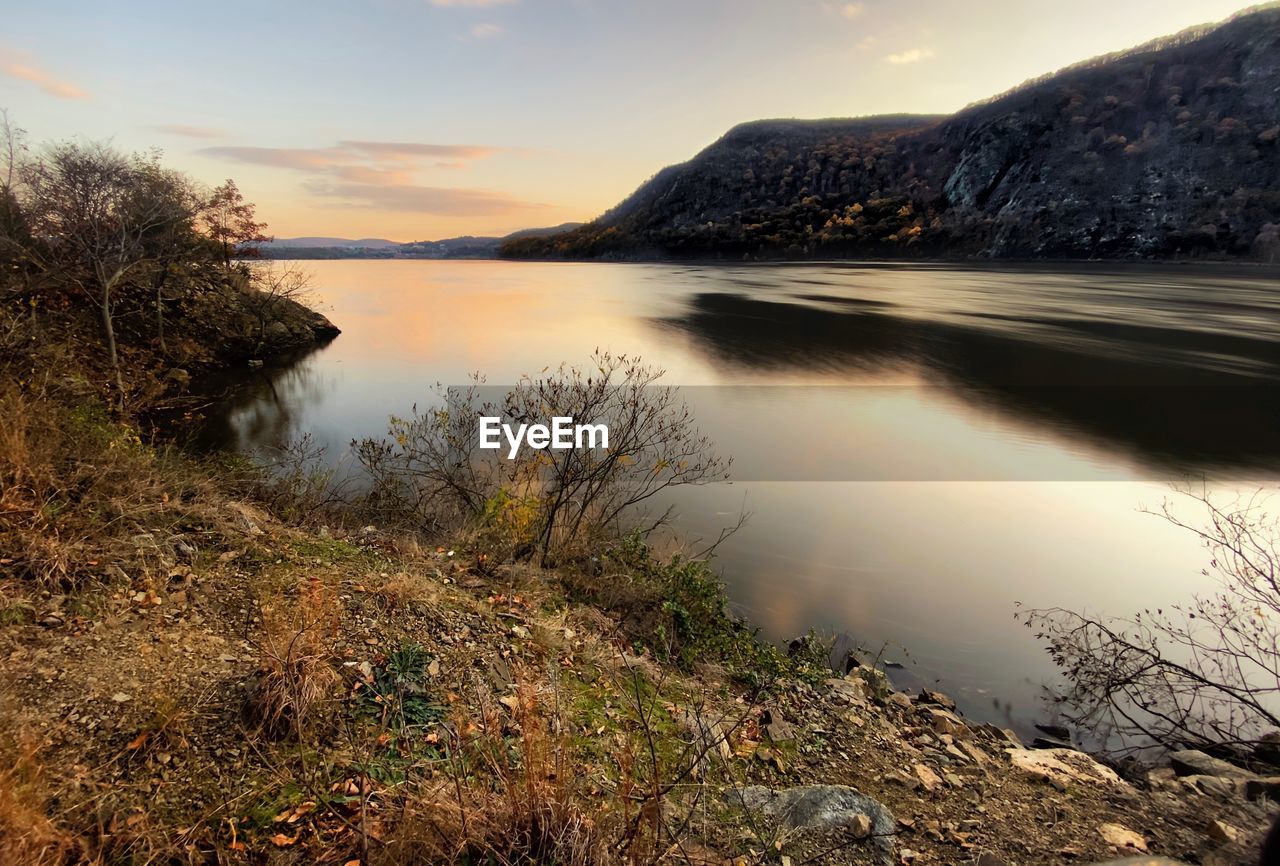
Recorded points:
(933, 566)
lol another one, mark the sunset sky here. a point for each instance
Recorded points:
(424, 119)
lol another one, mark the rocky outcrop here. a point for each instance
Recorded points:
(1171, 149)
(834, 809)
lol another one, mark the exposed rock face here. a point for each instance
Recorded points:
(1171, 149)
(823, 808)
(1062, 767)
(1191, 762)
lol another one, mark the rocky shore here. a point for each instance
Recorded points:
(145, 688)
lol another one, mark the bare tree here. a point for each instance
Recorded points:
(1203, 674)
(272, 286)
(99, 212)
(553, 500)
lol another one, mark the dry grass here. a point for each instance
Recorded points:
(510, 794)
(27, 835)
(77, 490)
(296, 676)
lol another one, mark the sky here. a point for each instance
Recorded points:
(426, 119)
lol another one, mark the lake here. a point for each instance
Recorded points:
(988, 435)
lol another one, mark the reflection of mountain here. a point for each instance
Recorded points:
(1170, 397)
(258, 409)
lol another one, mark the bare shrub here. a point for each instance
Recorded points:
(1203, 674)
(272, 286)
(554, 504)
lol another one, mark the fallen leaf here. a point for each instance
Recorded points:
(138, 741)
(282, 841)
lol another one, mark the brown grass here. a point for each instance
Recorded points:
(296, 676)
(77, 490)
(510, 795)
(27, 835)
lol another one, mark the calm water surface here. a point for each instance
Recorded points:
(994, 433)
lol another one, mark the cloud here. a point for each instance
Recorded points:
(439, 201)
(469, 4)
(382, 175)
(350, 156)
(485, 31)
(17, 66)
(846, 10)
(393, 149)
(190, 131)
(911, 55)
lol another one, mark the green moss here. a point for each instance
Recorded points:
(330, 550)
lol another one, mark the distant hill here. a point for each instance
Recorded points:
(465, 247)
(362, 243)
(1171, 149)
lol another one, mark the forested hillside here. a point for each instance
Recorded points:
(1168, 150)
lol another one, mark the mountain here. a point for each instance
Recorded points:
(1171, 149)
(362, 243)
(465, 247)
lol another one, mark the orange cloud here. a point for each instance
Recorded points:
(375, 154)
(440, 201)
(382, 175)
(17, 67)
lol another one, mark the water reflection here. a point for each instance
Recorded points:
(900, 375)
(1181, 401)
(259, 409)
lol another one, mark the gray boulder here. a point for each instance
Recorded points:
(1192, 762)
(823, 808)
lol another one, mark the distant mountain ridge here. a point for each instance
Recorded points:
(362, 243)
(465, 247)
(1170, 149)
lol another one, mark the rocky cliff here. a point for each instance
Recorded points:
(1171, 149)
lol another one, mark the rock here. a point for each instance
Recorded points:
(710, 736)
(851, 689)
(1192, 762)
(1062, 767)
(860, 826)
(1122, 837)
(1220, 831)
(1001, 735)
(821, 808)
(1051, 743)
(1267, 749)
(254, 363)
(976, 754)
(1142, 861)
(944, 722)
(927, 777)
(1058, 732)
(121, 697)
(899, 700)
(1267, 787)
(778, 729)
(1211, 786)
(928, 696)
(986, 858)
